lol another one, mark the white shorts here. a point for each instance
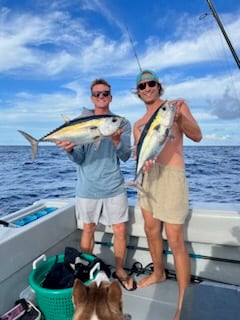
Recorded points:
(107, 211)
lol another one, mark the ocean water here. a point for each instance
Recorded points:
(212, 172)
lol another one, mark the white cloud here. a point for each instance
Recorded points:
(54, 45)
(216, 137)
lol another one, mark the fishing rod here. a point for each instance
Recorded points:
(138, 268)
(134, 50)
(235, 56)
(168, 252)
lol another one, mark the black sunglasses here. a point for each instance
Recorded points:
(97, 94)
(150, 83)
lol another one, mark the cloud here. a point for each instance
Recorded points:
(226, 106)
(103, 9)
(45, 44)
(215, 137)
(55, 44)
(64, 50)
(195, 42)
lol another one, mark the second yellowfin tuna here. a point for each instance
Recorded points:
(155, 135)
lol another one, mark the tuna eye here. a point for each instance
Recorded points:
(114, 120)
(164, 108)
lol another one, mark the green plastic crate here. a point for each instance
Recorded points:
(54, 304)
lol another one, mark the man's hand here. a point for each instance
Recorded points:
(148, 165)
(178, 114)
(116, 137)
(66, 145)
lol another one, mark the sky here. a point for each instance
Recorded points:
(51, 51)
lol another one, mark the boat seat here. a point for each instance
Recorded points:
(206, 223)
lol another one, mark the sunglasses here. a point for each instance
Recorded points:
(97, 94)
(143, 85)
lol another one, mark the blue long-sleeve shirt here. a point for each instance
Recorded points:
(98, 167)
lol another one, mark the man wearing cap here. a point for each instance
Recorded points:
(165, 200)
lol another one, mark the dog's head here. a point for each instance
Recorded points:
(103, 302)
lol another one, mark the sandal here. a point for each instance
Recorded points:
(122, 280)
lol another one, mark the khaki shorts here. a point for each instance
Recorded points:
(165, 193)
(107, 211)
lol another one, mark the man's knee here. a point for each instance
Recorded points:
(119, 230)
(177, 244)
(89, 228)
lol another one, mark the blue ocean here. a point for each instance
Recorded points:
(212, 172)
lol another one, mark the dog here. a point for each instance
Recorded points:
(97, 302)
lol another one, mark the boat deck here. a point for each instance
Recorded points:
(207, 300)
(154, 302)
(212, 237)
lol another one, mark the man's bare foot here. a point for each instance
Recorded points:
(125, 280)
(177, 315)
(153, 278)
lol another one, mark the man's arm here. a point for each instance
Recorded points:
(187, 123)
(122, 142)
(74, 153)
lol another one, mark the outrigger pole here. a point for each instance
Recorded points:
(235, 56)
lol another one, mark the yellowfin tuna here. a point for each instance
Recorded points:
(155, 135)
(90, 129)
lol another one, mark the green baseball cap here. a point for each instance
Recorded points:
(146, 75)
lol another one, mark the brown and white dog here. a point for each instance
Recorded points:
(93, 302)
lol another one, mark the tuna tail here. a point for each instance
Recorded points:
(134, 184)
(34, 143)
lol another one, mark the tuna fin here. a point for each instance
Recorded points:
(97, 138)
(65, 118)
(34, 143)
(86, 112)
(96, 143)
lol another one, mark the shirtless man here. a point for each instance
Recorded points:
(166, 200)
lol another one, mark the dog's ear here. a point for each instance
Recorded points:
(115, 296)
(79, 293)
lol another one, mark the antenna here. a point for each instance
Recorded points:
(134, 51)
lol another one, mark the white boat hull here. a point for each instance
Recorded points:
(212, 238)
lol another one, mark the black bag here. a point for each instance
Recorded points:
(75, 265)
(60, 276)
